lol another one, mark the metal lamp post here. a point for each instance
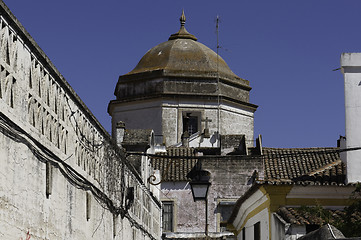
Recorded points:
(199, 186)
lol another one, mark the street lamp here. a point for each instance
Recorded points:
(199, 189)
(199, 186)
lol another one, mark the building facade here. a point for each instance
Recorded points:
(275, 207)
(184, 218)
(192, 100)
(61, 177)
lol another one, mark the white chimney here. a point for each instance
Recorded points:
(351, 69)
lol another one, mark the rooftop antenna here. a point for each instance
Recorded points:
(218, 88)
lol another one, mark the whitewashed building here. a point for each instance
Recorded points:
(61, 177)
(351, 69)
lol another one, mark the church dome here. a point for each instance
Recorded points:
(183, 56)
(182, 68)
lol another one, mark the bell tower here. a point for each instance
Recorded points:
(182, 86)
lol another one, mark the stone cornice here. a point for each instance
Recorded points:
(161, 73)
(247, 105)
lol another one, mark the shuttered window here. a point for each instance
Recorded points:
(168, 215)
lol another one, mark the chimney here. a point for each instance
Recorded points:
(119, 131)
(351, 69)
(259, 144)
(341, 144)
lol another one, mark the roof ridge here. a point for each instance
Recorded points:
(325, 167)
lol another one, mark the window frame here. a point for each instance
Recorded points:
(194, 114)
(172, 216)
(220, 203)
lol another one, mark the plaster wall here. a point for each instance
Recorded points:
(189, 216)
(54, 156)
(165, 117)
(229, 178)
(320, 192)
(351, 68)
(25, 208)
(248, 206)
(263, 218)
(139, 115)
(278, 227)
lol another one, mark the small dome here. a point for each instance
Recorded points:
(183, 56)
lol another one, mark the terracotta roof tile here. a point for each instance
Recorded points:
(321, 165)
(175, 169)
(317, 166)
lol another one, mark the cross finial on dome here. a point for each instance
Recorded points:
(182, 33)
(182, 19)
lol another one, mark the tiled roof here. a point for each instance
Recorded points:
(281, 165)
(300, 165)
(175, 168)
(305, 216)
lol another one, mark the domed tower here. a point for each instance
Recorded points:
(181, 87)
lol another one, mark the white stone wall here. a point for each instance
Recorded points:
(233, 119)
(351, 68)
(255, 200)
(56, 158)
(165, 117)
(26, 208)
(278, 226)
(138, 115)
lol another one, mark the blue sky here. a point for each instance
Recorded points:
(286, 49)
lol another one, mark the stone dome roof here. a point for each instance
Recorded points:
(183, 56)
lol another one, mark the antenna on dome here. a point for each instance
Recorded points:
(218, 88)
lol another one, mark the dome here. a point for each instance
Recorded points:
(182, 55)
(182, 68)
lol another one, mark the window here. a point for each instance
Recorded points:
(168, 216)
(88, 205)
(191, 122)
(257, 231)
(49, 179)
(244, 234)
(225, 209)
